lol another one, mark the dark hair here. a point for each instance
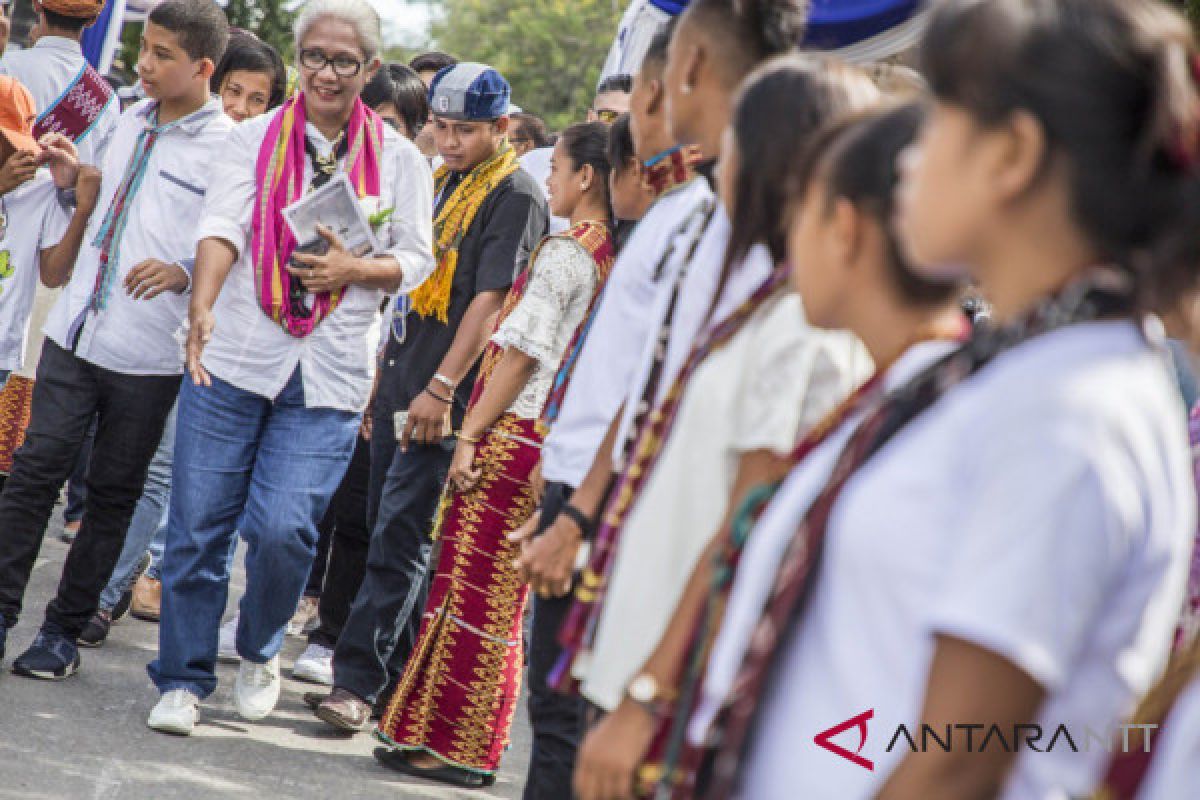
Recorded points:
(616, 83)
(402, 87)
(856, 161)
(200, 26)
(63, 23)
(620, 144)
(411, 98)
(750, 31)
(433, 61)
(656, 53)
(1111, 84)
(804, 93)
(246, 52)
(587, 144)
(534, 127)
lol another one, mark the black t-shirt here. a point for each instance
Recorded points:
(496, 248)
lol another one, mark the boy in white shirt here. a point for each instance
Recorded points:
(114, 343)
(36, 229)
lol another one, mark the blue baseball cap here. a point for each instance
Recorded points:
(469, 92)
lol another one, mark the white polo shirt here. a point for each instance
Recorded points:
(47, 70)
(337, 360)
(1043, 510)
(33, 221)
(616, 339)
(143, 337)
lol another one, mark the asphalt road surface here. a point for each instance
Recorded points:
(86, 738)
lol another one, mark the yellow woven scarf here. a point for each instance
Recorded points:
(432, 298)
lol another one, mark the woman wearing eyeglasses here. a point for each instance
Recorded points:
(280, 365)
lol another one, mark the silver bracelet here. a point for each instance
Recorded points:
(444, 381)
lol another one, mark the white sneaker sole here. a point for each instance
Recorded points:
(303, 672)
(228, 657)
(175, 727)
(252, 714)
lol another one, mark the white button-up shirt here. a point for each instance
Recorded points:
(616, 339)
(143, 337)
(337, 360)
(697, 291)
(47, 70)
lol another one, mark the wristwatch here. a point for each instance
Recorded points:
(645, 691)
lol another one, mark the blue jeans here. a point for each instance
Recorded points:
(273, 465)
(148, 518)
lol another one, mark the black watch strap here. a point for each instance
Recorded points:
(580, 519)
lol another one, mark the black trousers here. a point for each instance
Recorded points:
(345, 525)
(557, 719)
(385, 618)
(131, 411)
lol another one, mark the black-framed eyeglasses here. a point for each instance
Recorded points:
(343, 66)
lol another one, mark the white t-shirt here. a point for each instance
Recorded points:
(34, 221)
(1175, 771)
(1043, 510)
(774, 379)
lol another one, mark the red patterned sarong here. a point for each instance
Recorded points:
(16, 403)
(459, 690)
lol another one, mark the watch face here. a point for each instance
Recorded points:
(643, 689)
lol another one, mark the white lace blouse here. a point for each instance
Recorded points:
(561, 283)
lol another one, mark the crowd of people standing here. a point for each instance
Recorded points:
(780, 394)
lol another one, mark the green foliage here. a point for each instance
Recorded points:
(551, 51)
(267, 19)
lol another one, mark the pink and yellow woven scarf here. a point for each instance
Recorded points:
(279, 175)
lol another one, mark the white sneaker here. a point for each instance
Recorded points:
(175, 713)
(257, 689)
(227, 642)
(315, 665)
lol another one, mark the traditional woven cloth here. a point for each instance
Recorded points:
(460, 687)
(79, 107)
(16, 404)
(453, 220)
(670, 169)
(279, 176)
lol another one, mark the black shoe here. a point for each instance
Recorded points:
(126, 599)
(51, 657)
(96, 631)
(455, 776)
(314, 699)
